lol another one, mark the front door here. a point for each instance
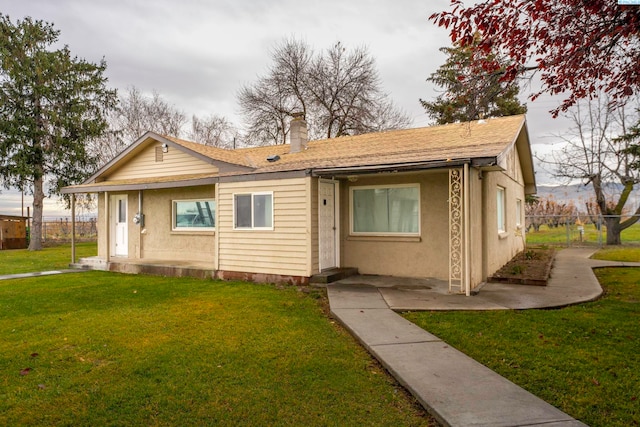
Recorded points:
(119, 226)
(327, 227)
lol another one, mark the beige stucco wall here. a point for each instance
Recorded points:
(285, 250)
(424, 256)
(477, 258)
(101, 228)
(499, 248)
(158, 242)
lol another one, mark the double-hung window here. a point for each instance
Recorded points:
(253, 211)
(501, 210)
(193, 215)
(385, 210)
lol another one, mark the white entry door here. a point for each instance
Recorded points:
(327, 225)
(120, 245)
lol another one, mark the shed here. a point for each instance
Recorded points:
(13, 232)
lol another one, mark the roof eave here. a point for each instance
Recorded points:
(110, 186)
(395, 167)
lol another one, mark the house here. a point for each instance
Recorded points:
(445, 202)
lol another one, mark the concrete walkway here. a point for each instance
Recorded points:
(456, 389)
(39, 273)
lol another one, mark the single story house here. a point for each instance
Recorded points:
(445, 202)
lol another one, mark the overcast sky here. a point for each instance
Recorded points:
(197, 53)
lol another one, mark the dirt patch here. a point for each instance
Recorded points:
(531, 267)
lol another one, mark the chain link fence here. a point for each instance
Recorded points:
(59, 229)
(577, 230)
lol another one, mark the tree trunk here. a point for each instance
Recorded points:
(613, 230)
(35, 242)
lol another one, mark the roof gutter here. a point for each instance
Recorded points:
(398, 167)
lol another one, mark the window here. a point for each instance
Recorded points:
(122, 211)
(194, 215)
(393, 210)
(501, 210)
(518, 212)
(253, 211)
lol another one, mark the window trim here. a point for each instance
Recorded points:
(253, 194)
(501, 208)
(378, 233)
(174, 226)
(518, 213)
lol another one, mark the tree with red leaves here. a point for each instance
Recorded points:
(578, 47)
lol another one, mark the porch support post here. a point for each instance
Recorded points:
(466, 242)
(107, 232)
(456, 231)
(73, 228)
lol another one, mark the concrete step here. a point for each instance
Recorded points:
(333, 275)
(91, 263)
(161, 270)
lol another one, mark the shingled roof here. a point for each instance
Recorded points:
(437, 146)
(478, 139)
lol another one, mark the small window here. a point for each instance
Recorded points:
(194, 215)
(386, 210)
(501, 210)
(122, 211)
(518, 212)
(253, 211)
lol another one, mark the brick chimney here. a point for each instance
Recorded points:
(298, 137)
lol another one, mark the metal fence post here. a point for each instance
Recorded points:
(599, 231)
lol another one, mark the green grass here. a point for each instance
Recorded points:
(110, 349)
(583, 359)
(558, 236)
(50, 258)
(625, 254)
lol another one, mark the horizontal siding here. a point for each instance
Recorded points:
(285, 249)
(175, 162)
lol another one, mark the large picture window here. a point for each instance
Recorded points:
(194, 215)
(391, 210)
(253, 211)
(501, 209)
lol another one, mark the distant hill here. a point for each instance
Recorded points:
(579, 194)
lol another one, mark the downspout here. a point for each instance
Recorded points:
(467, 269)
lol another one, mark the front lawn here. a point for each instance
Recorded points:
(583, 359)
(101, 348)
(618, 253)
(558, 235)
(49, 258)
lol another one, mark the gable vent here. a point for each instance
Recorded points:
(159, 154)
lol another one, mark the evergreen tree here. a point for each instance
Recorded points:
(470, 93)
(51, 104)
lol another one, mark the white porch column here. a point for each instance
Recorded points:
(73, 228)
